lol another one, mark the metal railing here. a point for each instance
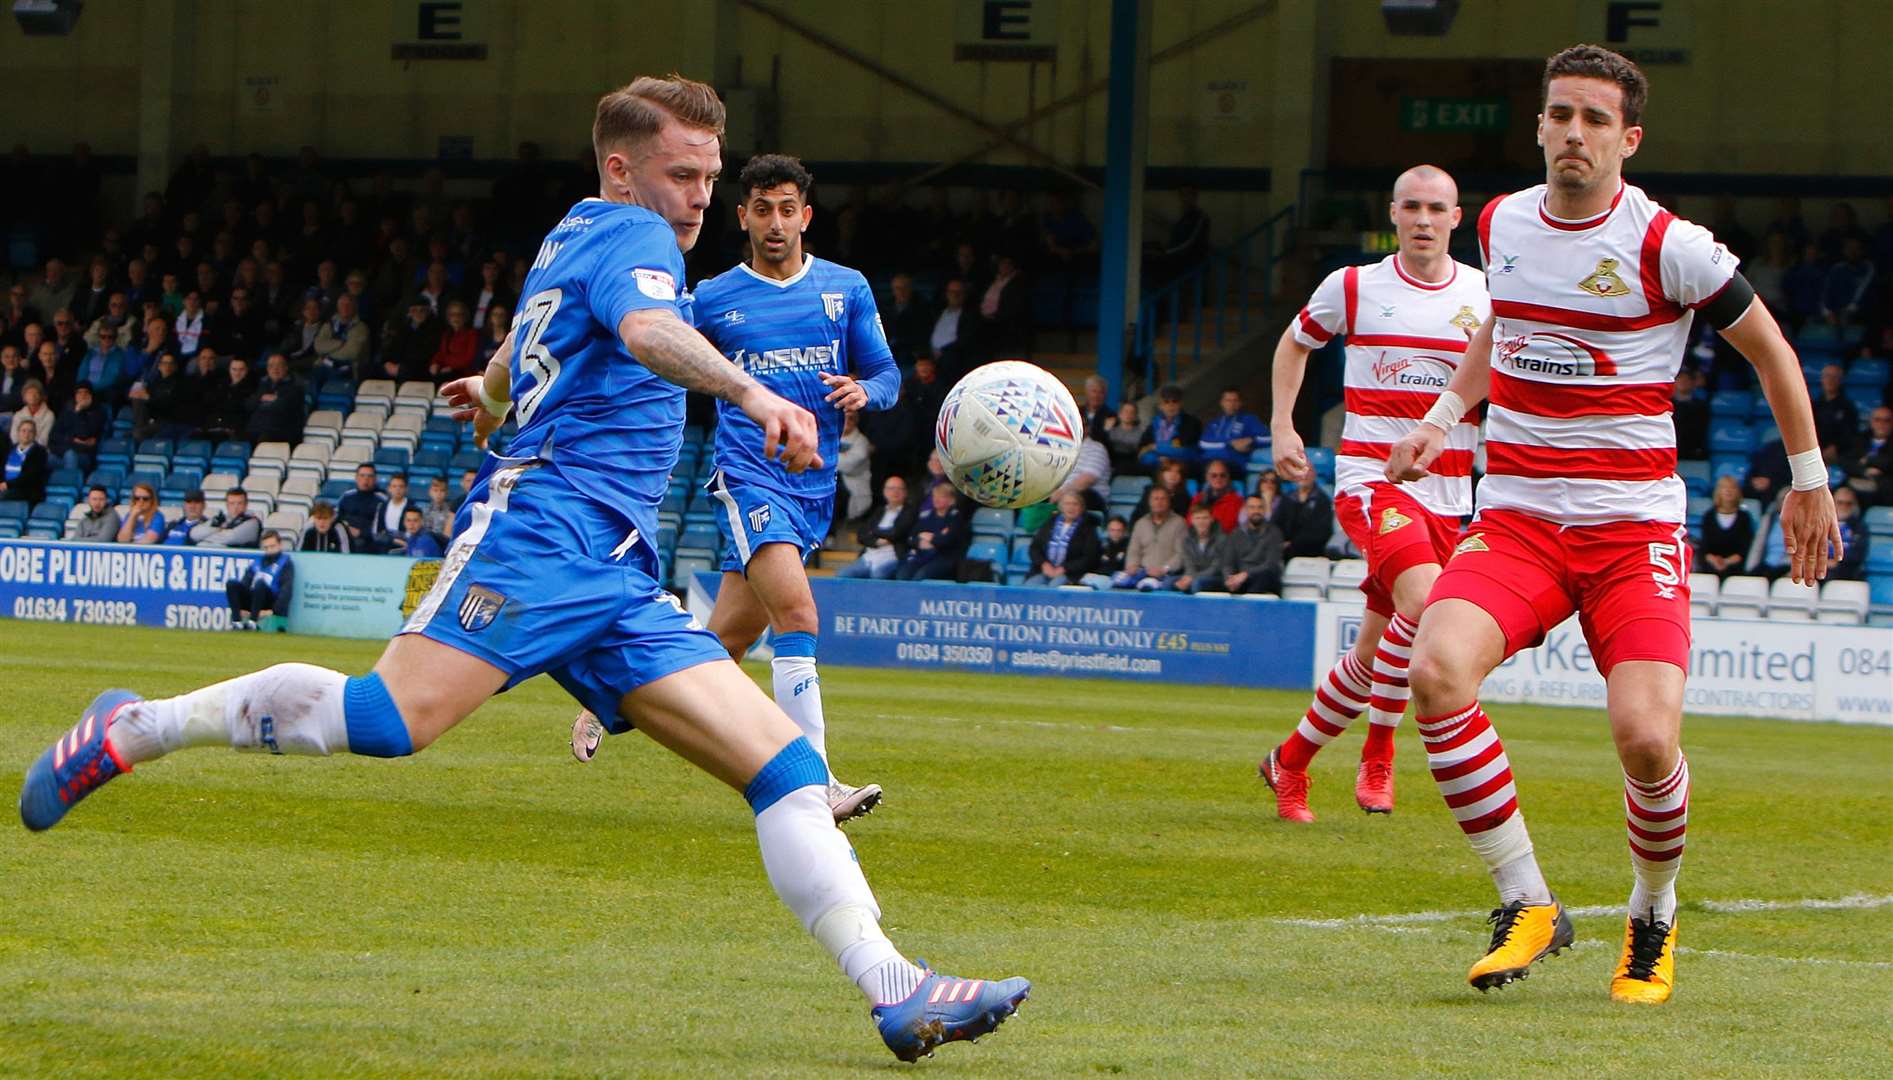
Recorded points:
(1239, 278)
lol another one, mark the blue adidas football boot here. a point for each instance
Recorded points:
(75, 766)
(943, 1009)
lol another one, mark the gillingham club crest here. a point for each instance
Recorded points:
(832, 304)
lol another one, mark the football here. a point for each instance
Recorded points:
(1008, 434)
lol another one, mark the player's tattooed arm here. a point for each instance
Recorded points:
(671, 348)
(676, 352)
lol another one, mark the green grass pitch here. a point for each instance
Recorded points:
(492, 908)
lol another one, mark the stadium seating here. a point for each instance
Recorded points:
(1787, 600)
(1743, 597)
(1695, 476)
(1344, 580)
(992, 521)
(1844, 602)
(1305, 578)
(1704, 591)
(1879, 522)
(1731, 437)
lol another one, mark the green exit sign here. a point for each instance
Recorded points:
(1454, 113)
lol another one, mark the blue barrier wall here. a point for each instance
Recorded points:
(1150, 637)
(118, 585)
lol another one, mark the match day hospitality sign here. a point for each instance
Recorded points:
(1737, 667)
(996, 629)
(118, 584)
(358, 596)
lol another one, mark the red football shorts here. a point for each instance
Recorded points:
(1394, 533)
(1627, 580)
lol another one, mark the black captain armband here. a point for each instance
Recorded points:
(1725, 307)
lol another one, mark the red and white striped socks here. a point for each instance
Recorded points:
(1656, 812)
(1388, 702)
(1469, 764)
(1339, 701)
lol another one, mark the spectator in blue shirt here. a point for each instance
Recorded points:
(104, 364)
(145, 523)
(26, 466)
(414, 541)
(1804, 284)
(1172, 435)
(265, 588)
(939, 537)
(179, 534)
(1066, 547)
(1231, 436)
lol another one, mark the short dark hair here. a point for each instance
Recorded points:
(100, 488)
(236, 491)
(1597, 62)
(632, 113)
(271, 534)
(765, 171)
(1172, 392)
(1118, 518)
(194, 495)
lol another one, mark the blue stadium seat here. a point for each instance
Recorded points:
(1869, 372)
(184, 479)
(121, 427)
(144, 476)
(1732, 437)
(992, 551)
(1128, 486)
(51, 511)
(1022, 552)
(694, 436)
(1695, 476)
(1731, 405)
(1261, 458)
(109, 479)
(992, 521)
(1879, 521)
(1762, 413)
(393, 458)
(701, 534)
(13, 510)
(1766, 433)
(1880, 559)
(157, 447)
(10, 529)
(1322, 459)
(666, 539)
(335, 489)
(466, 459)
(673, 503)
(1865, 400)
(429, 463)
(63, 477)
(1722, 465)
(1882, 588)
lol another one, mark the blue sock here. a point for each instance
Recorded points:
(796, 765)
(375, 727)
(795, 643)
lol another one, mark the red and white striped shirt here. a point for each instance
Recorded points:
(1592, 320)
(1404, 338)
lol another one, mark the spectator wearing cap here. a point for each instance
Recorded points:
(414, 541)
(323, 534)
(145, 523)
(233, 527)
(941, 534)
(360, 510)
(78, 430)
(1172, 435)
(26, 468)
(99, 524)
(1232, 435)
(179, 534)
(265, 588)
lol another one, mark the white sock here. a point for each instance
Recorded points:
(815, 872)
(798, 692)
(1521, 879)
(286, 709)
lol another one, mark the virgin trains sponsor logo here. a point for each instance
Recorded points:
(1418, 371)
(1544, 352)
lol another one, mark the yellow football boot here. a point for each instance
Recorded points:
(1647, 973)
(1522, 935)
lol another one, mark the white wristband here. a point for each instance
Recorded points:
(1446, 411)
(1807, 470)
(495, 408)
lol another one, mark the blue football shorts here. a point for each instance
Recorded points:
(541, 579)
(751, 515)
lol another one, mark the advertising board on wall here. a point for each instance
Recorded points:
(118, 585)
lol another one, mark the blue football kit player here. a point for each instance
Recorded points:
(554, 570)
(808, 330)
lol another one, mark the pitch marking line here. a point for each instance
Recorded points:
(1856, 902)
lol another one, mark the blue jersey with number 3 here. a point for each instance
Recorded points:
(607, 423)
(787, 335)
